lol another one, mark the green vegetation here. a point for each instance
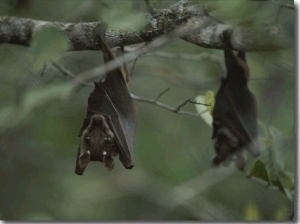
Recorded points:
(172, 179)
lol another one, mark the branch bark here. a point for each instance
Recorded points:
(205, 31)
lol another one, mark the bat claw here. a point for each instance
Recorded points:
(108, 161)
(84, 159)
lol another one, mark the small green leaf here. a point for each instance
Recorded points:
(286, 179)
(210, 99)
(266, 141)
(47, 44)
(14, 115)
(203, 110)
(278, 155)
(280, 181)
(277, 182)
(259, 173)
(39, 96)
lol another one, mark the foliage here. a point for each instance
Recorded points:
(172, 179)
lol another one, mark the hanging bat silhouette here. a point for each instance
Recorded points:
(234, 114)
(109, 126)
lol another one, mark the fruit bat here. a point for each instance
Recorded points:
(234, 114)
(109, 126)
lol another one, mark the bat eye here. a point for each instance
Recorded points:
(107, 140)
(87, 140)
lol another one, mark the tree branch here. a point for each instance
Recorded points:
(205, 31)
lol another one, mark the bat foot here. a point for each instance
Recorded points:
(83, 160)
(240, 161)
(108, 160)
(225, 37)
(238, 158)
(215, 162)
(253, 147)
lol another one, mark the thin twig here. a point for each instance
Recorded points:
(150, 7)
(140, 99)
(164, 106)
(181, 56)
(283, 5)
(189, 101)
(133, 67)
(68, 73)
(161, 94)
(43, 70)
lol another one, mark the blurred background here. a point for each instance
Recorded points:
(172, 178)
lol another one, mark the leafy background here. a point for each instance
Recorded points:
(172, 178)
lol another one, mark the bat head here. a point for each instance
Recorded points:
(227, 146)
(226, 142)
(97, 143)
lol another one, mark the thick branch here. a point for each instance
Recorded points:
(205, 31)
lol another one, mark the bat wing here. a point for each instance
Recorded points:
(240, 115)
(115, 86)
(122, 127)
(124, 120)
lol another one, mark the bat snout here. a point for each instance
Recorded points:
(98, 119)
(129, 166)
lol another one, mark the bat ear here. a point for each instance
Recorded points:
(96, 85)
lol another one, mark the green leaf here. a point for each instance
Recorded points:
(280, 181)
(204, 110)
(278, 155)
(259, 173)
(13, 115)
(47, 44)
(286, 179)
(41, 96)
(121, 17)
(210, 99)
(277, 182)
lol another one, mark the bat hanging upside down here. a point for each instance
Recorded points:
(109, 126)
(234, 114)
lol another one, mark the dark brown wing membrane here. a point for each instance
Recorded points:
(109, 126)
(234, 114)
(115, 87)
